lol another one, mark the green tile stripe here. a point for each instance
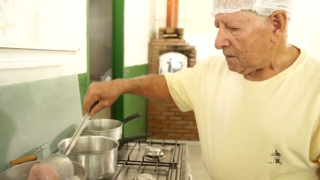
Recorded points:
(135, 104)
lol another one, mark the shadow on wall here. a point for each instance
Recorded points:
(66, 133)
(7, 130)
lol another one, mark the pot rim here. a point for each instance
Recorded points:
(102, 131)
(95, 153)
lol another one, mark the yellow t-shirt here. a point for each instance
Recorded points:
(266, 130)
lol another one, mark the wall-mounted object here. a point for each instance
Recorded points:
(42, 33)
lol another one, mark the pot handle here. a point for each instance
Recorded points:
(123, 141)
(24, 159)
(129, 118)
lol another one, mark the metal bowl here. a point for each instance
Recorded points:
(22, 171)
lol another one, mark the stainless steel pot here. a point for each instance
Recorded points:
(21, 172)
(107, 127)
(98, 154)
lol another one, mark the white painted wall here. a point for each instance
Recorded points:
(139, 27)
(43, 24)
(195, 18)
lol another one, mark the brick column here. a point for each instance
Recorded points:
(165, 120)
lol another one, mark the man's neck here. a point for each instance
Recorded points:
(283, 59)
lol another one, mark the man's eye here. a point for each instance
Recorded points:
(233, 29)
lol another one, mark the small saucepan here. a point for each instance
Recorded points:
(107, 127)
(97, 154)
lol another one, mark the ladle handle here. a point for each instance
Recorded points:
(93, 105)
(79, 130)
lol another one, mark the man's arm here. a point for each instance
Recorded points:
(149, 86)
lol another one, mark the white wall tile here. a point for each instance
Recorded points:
(197, 32)
(182, 10)
(136, 49)
(213, 31)
(202, 53)
(161, 9)
(138, 24)
(159, 24)
(212, 51)
(136, 27)
(153, 9)
(137, 9)
(136, 53)
(198, 10)
(181, 24)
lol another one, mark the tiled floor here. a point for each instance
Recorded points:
(197, 170)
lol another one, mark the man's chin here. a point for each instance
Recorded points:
(236, 69)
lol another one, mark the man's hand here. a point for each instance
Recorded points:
(43, 172)
(106, 93)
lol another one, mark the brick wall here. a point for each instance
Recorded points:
(165, 120)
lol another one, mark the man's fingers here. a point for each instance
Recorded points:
(86, 104)
(89, 100)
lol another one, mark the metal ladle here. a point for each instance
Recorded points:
(61, 162)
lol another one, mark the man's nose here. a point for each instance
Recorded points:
(221, 39)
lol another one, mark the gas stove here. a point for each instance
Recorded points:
(152, 160)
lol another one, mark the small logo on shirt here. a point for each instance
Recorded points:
(275, 158)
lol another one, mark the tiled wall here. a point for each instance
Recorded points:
(305, 27)
(139, 27)
(35, 113)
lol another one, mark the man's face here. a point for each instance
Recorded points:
(245, 39)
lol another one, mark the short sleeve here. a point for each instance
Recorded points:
(315, 145)
(181, 86)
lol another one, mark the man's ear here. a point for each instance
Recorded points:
(279, 22)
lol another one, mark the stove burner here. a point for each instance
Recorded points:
(145, 176)
(154, 153)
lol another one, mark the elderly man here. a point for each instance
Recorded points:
(257, 109)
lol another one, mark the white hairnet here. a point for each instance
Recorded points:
(261, 7)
